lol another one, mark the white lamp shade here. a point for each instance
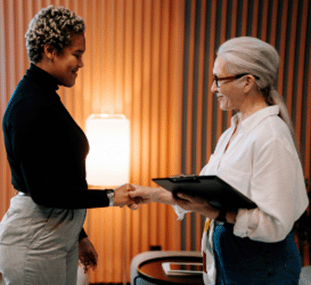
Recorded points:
(107, 163)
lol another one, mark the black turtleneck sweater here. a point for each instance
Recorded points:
(45, 148)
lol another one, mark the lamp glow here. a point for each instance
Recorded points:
(107, 163)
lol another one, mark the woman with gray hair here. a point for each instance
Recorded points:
(258, 156)
(41, 235)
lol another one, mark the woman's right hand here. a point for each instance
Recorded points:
(145, 195)
(122, 197)
(196, 204)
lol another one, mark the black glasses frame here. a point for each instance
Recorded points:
(232, 77)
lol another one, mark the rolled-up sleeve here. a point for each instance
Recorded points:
(277, 187)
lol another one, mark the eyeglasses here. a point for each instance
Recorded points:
(232, 77)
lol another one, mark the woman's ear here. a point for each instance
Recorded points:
(49, 51)
(250, 82)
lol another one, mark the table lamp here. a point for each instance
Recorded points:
(107, 163)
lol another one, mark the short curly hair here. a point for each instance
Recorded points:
(52, 25)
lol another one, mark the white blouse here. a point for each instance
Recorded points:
(262, 163)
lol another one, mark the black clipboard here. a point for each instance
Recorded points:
(216, 191)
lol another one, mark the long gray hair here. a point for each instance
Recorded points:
(256, 57)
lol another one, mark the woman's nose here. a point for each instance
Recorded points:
(214, 87)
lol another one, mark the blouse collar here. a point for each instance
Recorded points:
(253, 120)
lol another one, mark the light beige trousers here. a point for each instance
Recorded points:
(39, 245)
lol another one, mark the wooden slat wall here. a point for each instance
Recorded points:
(284, 24)
(132, 65)
(152, 60)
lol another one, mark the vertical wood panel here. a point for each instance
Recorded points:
(301, 63)
(155, 109)
(255, 19)
(291, 55)
(3, 99)
(282, 46)
(200, 83)
(191, 125)
(199, 86)
(174, 112)
(189, 110)
(264, 20)
(274, 23)
(244, 17)
(285, 25)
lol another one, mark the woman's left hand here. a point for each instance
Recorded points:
(87, 255)
(196, 204)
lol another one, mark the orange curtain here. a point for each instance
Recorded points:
(132, 65)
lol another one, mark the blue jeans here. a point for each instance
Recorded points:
(242, 261)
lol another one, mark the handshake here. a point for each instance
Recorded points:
(134, 196)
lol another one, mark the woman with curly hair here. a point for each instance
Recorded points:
(41, 235)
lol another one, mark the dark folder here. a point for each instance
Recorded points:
(216, 191)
